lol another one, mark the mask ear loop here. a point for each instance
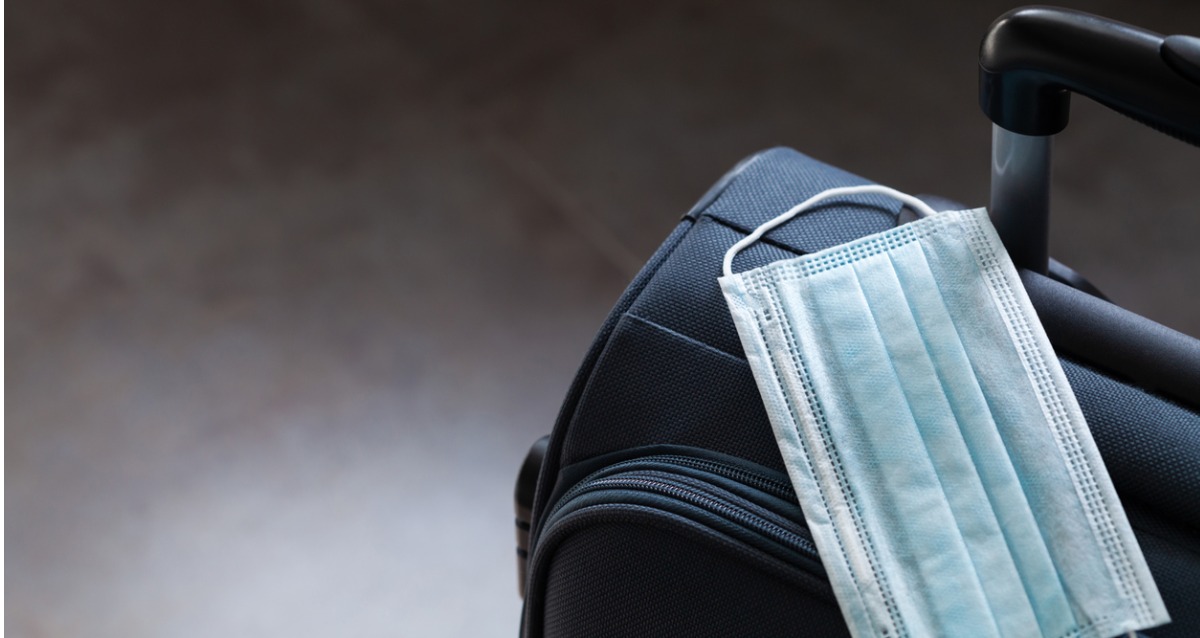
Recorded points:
(921, 207)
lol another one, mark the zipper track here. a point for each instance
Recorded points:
(645, 474)
(770, 486)
(775, 488)
(700, 499)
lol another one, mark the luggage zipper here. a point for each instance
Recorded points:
(689, 480)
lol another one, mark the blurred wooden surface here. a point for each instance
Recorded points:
(291, 286)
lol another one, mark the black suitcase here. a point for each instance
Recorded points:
(662, 507)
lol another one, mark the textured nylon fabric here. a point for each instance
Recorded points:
(769, 184)
(689, 282)
(570, 407)
(1170, 552)
(668, 368)
(671, 406)
(1151, 446)
(633, 580)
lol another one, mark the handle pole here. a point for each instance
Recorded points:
(1020, 201)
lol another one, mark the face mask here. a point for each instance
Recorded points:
(942, 462)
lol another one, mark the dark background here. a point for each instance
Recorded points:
(292, 285)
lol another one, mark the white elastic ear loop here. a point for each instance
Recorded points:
(921, 207)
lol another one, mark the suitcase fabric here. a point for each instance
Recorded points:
(662, 505)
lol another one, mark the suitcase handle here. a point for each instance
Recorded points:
(1030, 61)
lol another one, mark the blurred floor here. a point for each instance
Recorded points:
(291, 286)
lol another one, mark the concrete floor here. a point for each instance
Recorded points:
(291, 286)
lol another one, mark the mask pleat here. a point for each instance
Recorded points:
(1030, 445)
(841, 510)
(881, 443)
(946, 409)
(1010, 583)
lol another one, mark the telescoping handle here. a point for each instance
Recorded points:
(1030, 62)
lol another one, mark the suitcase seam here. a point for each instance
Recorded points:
(685, 337)
(579, 385)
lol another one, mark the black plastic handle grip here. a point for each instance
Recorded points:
(1033, 58)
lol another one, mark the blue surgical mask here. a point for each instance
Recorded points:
(940, 457)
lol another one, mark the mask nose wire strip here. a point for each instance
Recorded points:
(921, 207)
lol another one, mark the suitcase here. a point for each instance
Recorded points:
(659, 505)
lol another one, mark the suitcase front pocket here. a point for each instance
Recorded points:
(678, 545)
